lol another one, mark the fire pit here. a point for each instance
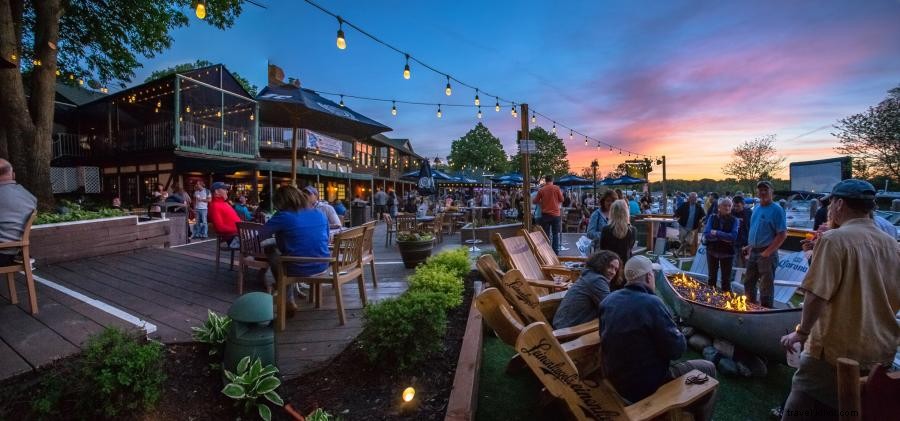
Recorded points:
(751, 327)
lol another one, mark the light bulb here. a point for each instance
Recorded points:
(158, 104)
(342, 101)
(477, 101)
(341, 42)
(533, 119)
(200, 10)
(585, 141)
(448, 91)
(187, 109)
(439, 114)
(218, 113)
(554, 127)
(497, 105)
(572, 135)
(251, 117)
(58, 72)
(479, 113)
(406, 74)
(394, 109)
(80, 82)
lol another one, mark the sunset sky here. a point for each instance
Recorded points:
(686, 79)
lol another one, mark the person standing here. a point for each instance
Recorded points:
(634, 209)
(550, 198)
(742, 214)
(600, 217)
(202, 197)
(16, 206)
(381, 200)
(392, 204)
(720, 233)
(768, 229)
(689, 215)
(618, 236)
(852, 293)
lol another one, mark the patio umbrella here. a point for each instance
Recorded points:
(572, 180)
(435, 174)
(426, 181)
(622, 181)
(291, 106)
(511, 177)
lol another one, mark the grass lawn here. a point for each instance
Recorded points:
(503, 397)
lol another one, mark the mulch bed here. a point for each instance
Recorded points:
(349, 387)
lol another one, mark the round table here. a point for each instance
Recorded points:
(651, 231)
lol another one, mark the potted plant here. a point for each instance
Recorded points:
(415, 247)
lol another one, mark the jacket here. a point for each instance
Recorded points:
(639, 340)
(744, 230)
(683, 212)
(582, 301)
(596, 224)
(722, 244)
(223, 217)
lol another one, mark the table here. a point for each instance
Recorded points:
(651, 231)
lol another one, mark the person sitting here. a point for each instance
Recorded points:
(242, 210)
(16, 206)
(117, 203)
(222, 215)
(582, 301)
(721, 233)
(334, 221)
(634, 208)
(640, 340)
(339, 207)
(299, 230)
(618, 236)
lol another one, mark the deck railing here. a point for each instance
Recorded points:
(66, 145)
(214, 140)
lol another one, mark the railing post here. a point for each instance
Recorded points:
(177, 115)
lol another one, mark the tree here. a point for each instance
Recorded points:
(872, 138)
(196, 65)
(76, 40)
(755, 159)
(550, 158)
(478, 149)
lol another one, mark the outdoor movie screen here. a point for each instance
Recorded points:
(819, 176)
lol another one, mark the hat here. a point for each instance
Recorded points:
(311, 190)
(854, 189)
(766, 183)
(638, 266)
(218, 185)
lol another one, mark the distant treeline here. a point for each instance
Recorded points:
(728, 185)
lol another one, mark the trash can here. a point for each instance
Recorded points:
(251, 331)
(359, 214)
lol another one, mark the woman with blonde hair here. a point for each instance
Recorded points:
(618, 236)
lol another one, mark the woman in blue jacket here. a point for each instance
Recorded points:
(600, 217)
(720, 234)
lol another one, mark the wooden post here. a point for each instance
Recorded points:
(294, 157)
(255, 180)
(849, 398)
(665, 204)
(526, 182)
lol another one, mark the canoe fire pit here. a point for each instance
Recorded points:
(728, 316)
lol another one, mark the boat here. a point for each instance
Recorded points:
(757, 332)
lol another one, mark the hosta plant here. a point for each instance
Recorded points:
(319, 415)
(251, 382)
(214, 331)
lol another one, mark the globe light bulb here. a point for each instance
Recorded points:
(585, 141)
(341, 42)
(533, 119)
(406, 74)
(342, 101)
(497, 105)
(554, 127)
(572, 135)
(479, 113)
(439, 114)
(394, 109)
(448, 91)
(408, 394)
(477, 101)
(200, 10)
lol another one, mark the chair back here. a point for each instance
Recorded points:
(406, 223)
(573, 218)
(521, 295)
(368, 237)
(348, 247)
(499, 316)
(587, 399)
(26, 231)
(541, 247)
(438, 223)
(388, 219)
(248, 232)
(519, 256)
(488, 268)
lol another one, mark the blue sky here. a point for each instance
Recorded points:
(688, 79)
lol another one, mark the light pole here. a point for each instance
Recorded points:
(594, 166)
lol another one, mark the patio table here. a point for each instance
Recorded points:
(651, 231)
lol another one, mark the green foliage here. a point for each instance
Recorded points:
(753, 160)
(71, 211)
(478, 148)
(121, 375)
(319, 415)
(710, 185)
(550, 158)
(457, 260)
(414, 236)
(213, 332)
(439, 279)
(873, 139)
(404, 331)
(184, 67)
(252, 382)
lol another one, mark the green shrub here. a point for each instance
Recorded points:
(404, 331)
(456, 260)
(319, 415)
(120, 374)
(213, 332)
(251, 383)
(72, 211)
(439, 279)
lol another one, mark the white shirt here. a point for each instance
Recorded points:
(330, 213)
(200, 197)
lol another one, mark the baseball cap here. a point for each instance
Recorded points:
(766, 183)
(218, 185)
(854, 189)
(311, 190)
(638, 266)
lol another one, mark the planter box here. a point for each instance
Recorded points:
(64, 241)
(463, 400)
(485, 233)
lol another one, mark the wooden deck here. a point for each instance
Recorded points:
(172, 289)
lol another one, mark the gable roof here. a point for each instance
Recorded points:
(403, 145)
(75, 95)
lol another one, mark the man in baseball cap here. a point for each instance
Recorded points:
(334, 221)
(640, 340)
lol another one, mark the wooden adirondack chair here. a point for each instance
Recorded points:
(867, 398)
(518, 255)
(251, 253)
(590, 399)
(368, 252)
(345, 265)
(541, 247)
(502, 318)
(491, 272)
(25, 245)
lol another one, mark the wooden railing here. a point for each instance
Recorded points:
(213, 140)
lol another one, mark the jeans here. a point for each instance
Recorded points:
(703, 408)
(379, 211)
(713, 263)
(761, 271)
(201, 226)
(552, 225)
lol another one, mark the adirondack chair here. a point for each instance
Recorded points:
(507, 324)
(573, 221)
(25, 245)
(491, 272)
(345, 265)
(867, 398)
(518, 255)
(590, 399)
(541, 247)
(368, 252)
(251, 252)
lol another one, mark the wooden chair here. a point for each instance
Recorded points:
(547, 303)
(224, 244)
(391, 229)
(368, 252)
(504, 321)
(25, 245)
(251, 253)
(540, 245)
(573, 221)
(518, 255)
(345, 265)
(867, 398)
(436, 227)
(590, 399)
(406, 223)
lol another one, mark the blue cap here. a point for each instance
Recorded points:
(311, 190)
(218, 185)
(854, 189)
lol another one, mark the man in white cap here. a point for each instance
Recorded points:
(640, 340)
(334, 221)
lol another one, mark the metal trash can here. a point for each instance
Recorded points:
(359, 214)
(251, 331)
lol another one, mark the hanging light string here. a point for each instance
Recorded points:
(450, 78)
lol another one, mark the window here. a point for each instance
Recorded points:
(341, 191)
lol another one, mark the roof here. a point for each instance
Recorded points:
(404, 145)
(75, 95)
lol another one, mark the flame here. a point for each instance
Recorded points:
(705, 294)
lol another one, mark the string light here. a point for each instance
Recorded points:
(497, 105)
(158, 104)
(187, 109)
(394, 108)
(585, 141)
(406, 73)
(341, 42)
(252, 117)
(477, 101)
(512, 110)
(448, 91)
(342, 101)
(554, 127)
(572, 135)
(479, 113)
(439, 114)
(533, 118)
(13, 57)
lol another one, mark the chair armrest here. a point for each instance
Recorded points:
(672, 395)
(301, 259)
(572, 259)
(12, 244)
(584, 352)
(550, 303)
(543, 283)
(561, 271)
(577, 330)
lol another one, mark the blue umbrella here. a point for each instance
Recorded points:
(622, 181)
(572, 180)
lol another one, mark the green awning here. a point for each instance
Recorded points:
(286, 168)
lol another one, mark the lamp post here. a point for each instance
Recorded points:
(594, 166)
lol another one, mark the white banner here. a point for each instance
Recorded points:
(326, 144)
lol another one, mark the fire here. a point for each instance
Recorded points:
(705, 294)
